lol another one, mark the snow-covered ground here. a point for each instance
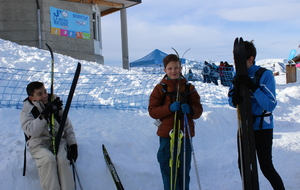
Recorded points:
(131, 140)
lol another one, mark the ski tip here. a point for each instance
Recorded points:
(51, 52)
(48, 46)
(78, 66)
(241, 40)
(238, 40)
(176, 52)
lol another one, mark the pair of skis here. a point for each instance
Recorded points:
(176, 136)
(55, 138)
(245, 122)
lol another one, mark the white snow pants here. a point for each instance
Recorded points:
(54, 171)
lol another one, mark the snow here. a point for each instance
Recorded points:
(131, 140)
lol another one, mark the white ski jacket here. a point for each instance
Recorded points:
(38, 130)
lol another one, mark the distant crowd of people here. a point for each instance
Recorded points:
(212, 72)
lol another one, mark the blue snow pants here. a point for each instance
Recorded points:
(163, 157)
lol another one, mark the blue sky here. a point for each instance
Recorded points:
(207, 27)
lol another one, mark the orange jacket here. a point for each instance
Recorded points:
(159, 106)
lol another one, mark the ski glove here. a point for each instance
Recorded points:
(247, 81)
(185, 108)
(73, 153)
(237, 99)
(175, 106)
(52, 107)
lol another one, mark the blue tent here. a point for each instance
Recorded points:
(153, 59)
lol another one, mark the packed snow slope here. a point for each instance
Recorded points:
(131, 140)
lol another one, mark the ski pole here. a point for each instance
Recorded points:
(76, 174)
(184, 156)
(192, 149)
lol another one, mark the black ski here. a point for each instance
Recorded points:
(52, 71)
(52, 128)
(245, 122)
(67, 107)
(112, 169)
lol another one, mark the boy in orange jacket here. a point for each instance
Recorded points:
(163, 105)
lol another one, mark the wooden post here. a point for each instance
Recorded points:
(291, 73)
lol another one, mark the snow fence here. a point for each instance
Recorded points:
(96, 91)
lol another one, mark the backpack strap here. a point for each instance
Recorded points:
(264, 114)
(165, 87)
(35, 112)
(24, 163)
(187, 92)
(165, 91)
(258, 75)
(256, 80)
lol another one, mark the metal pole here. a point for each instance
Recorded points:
(39, 24)
(124, 36)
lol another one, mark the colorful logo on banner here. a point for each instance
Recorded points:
(70, 24)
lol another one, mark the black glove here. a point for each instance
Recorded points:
(247, 81)
(52, 107)
(73, 153)
(237, 99)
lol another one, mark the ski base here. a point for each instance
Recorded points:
(112, 169)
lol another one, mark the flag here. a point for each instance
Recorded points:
(292, 54)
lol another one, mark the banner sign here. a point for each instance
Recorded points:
(292, 54)
(70, 24)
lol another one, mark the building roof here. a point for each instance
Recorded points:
(110, 6)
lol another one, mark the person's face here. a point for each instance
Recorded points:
(173, 70)
(39, 95)
(250, 62)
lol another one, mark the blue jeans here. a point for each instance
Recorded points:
(163, 157)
